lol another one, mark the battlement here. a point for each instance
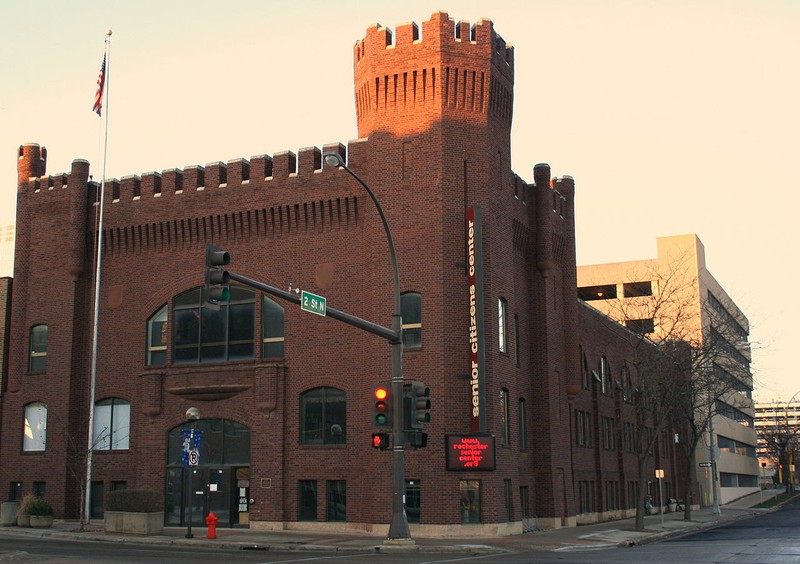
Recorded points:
(260, 170)
(440, 33)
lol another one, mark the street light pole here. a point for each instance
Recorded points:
(712, 446)
(398, 529)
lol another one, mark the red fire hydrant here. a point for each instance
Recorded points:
(211, 521)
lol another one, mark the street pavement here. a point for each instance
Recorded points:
(584, 537)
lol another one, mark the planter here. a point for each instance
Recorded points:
(23, 520)
(8, 513)
(133, 523)
(41, 521)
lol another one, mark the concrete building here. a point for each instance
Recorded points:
(675, 296)
(780, 420)
(490, 321)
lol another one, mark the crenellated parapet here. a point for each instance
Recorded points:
(258, 170)
(404, 82)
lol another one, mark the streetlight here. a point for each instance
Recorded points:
(398, 529)
(192, 415)
(714, 452)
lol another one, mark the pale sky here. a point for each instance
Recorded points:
(673, 116)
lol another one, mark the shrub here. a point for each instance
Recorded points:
(40, 507)
(26, 503)
(134, 501)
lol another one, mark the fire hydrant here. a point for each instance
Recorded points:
(212, 521)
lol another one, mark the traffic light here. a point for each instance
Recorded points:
(217, 283)
(420, 405)
(381, 408)
(380, 440)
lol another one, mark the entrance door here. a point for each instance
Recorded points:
(211, 488)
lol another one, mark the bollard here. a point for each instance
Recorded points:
(211, 521)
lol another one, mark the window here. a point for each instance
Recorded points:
(112, 425)
(307, 508)
(627, 384)
(157, 338)
(516, 340)
(15, 491)
(323, 413)
(504, 422)
(39, 489)
(509, 507)
(470, 501)
(413, 491)
(524, 502)
(641, 326)
(35, 435)
(411, 312)
(38, 358)
(586, 493)
(96, 500)
(609, 442)
(202, 334)
(612, 495)
(583, 429)
(523, 426)
(605, 377)
(337, 500)
(628, 437)
(636, 289)
(272, 329)
(586, 379)
(603, 292)
(224, 442)
(502, 325)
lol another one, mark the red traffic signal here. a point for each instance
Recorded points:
(380, 440)
(381, 407)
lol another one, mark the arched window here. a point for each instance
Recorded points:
(323, 417)
(272, 329)
(202, 334)
(34, 436)
(502, 325)
(112, 424)
(38, 358)
(411, 311)
(157, 338)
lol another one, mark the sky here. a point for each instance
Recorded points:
(672, 116)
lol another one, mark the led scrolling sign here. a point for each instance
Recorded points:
(470, 452)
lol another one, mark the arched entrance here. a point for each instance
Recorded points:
(219, 482)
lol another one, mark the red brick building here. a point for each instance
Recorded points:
(491, 320)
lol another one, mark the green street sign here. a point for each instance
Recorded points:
(312, 303)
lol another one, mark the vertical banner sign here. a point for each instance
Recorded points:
(190, 449)
(477, 355)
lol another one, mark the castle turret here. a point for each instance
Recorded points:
(450, 70)
(31, 163)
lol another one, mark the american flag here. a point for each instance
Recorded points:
(101, 80)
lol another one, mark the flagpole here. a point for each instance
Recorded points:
(99, 251)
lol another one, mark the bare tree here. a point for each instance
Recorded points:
(686, 366)
(77, 461)
(781, 439)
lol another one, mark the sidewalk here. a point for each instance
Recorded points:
(585, 537)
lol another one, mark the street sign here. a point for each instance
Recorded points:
(190, 449)
(705, 465)
(312, 303)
